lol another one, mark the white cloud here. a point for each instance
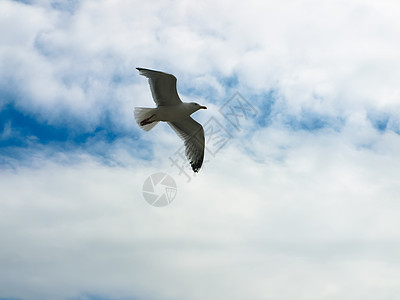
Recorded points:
(329, 57)
(277, 214)
(7, 131)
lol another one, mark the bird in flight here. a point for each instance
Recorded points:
(176, 113)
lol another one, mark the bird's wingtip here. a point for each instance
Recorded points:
(196, 165)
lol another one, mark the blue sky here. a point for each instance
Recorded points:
(304, 193)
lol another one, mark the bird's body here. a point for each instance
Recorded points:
(172, 113)
(176, 113)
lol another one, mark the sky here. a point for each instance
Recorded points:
(298, 197)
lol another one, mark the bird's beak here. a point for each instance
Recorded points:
(203, 107)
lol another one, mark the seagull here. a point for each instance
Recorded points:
(176, 113)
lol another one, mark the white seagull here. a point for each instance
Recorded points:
(176, 113)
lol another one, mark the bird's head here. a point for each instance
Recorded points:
(195, 107)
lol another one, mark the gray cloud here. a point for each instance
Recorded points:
(277, 214)
(326, 214)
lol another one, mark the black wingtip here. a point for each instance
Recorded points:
(196, 165)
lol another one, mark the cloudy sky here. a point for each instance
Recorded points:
(299, 200)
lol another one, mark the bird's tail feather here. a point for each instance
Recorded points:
(142, 113)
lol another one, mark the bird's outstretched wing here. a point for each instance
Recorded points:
(163, 87)
(192, 133)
